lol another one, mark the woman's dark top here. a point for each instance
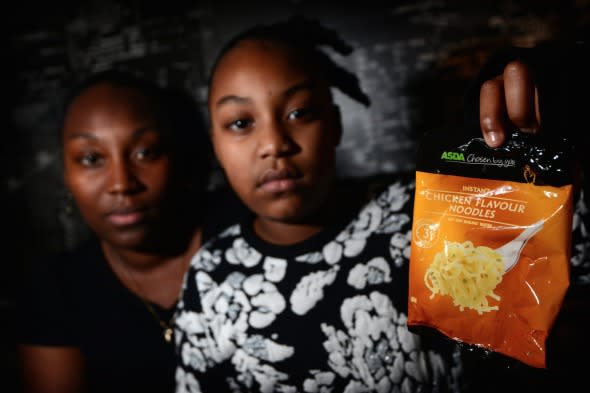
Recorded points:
(74, 299)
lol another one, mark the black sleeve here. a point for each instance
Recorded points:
(45, 315)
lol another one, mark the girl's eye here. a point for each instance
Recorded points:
(240, 124)
(145, 153)
(298, 114)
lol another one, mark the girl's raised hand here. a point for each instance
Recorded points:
(509, 101)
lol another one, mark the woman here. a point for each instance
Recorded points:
(100, 318)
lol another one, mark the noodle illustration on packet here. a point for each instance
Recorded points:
(491, 240)
(467, 274)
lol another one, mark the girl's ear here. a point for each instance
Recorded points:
(337, 124)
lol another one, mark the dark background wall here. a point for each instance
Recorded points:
(413, 58)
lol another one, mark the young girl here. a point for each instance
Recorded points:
(309, 295)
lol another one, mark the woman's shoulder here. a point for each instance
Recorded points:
(65, 264)
(50, 289)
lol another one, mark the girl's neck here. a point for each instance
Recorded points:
(342, 203)
(281, 233)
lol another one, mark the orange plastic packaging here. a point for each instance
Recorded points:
(491, 243)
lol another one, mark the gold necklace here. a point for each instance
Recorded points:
(167, 327)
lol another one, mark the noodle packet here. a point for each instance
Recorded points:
(491, 241)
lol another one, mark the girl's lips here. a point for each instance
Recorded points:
(276, 181)
(279, 185)
(126, 218)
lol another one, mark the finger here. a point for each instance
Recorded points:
(521, 97)
(492, 112)
(537, 110)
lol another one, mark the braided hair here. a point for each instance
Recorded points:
(306, 36)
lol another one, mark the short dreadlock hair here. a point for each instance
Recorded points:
(305, 36)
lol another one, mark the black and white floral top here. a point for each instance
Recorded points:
(324, 315)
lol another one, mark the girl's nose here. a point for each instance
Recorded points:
(275, 141)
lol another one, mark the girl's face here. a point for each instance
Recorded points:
(116, 164)
(274, 129)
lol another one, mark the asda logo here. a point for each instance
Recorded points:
(452, 156)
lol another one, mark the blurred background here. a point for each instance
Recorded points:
(414, 59)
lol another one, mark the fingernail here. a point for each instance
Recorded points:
(493, 138)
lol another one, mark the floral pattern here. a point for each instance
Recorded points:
(376, 271)
(242, 253)
(310, 290)
(390, 355)
(343, 328)
(580, 260)
(186, 382)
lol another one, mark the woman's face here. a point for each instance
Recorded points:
(274, 128)
(117, 164)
